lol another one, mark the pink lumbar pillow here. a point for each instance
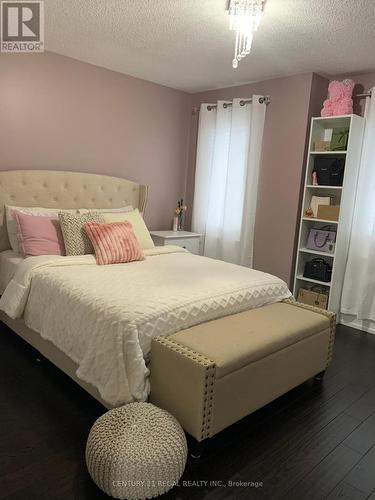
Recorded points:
(114, 243)
(38, 234)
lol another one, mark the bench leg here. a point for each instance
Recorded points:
(320, 376)
(196, 448)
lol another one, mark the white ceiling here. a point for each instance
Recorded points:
(186, 44)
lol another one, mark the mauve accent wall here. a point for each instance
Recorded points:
(62, 114)
(282, 166)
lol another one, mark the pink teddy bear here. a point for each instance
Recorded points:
(339, 100)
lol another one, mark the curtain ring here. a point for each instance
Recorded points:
(264, 99)
(225, 105)
(242, 103)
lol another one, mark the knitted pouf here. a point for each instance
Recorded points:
(135, 452)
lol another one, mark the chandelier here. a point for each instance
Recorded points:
(244, 19)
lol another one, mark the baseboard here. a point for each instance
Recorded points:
(358, 324)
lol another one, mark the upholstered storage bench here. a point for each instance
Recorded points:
(211, 375)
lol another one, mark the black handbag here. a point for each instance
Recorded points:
(329, 171)
(318, 269)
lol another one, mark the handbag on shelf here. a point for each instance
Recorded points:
(339, 140)
(315, 296)
(318, 269)
(336, 174)
(329, 171)
(321, 239)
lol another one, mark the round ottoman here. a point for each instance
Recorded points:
(136, 451)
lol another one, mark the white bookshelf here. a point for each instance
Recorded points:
(344, 196)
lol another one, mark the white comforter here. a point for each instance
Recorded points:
(104, 317)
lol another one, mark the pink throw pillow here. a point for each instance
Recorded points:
(114, 242)
(38, 234)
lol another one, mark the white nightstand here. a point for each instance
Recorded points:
(184, 239)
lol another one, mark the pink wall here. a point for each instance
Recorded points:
(282, 166)
(59, 113)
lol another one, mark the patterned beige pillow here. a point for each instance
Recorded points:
(75, 238)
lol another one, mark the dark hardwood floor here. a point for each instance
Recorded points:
(316, 442)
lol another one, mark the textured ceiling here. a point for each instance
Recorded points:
(186, 44)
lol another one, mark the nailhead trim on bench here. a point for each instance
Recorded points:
(210, 369)
(332, 321)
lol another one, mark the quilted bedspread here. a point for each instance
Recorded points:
(104, 317)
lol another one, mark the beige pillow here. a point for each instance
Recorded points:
(75, 238)
(139, 227)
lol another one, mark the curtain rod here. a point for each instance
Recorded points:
(366, 94)
(264, 99)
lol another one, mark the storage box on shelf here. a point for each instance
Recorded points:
(342, 196)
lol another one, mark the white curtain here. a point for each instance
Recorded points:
(358, 297)
(226, 179)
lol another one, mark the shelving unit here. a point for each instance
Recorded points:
(344, 196)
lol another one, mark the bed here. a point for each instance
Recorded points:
(63, 189)
(9, 262)
(96, 323)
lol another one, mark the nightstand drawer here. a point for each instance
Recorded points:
(185, 239)
(191, 244)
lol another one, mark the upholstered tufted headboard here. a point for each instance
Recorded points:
(55, 189)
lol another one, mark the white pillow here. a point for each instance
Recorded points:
(11, 224)
(139, 227)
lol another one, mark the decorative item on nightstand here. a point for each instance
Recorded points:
(179, 217)
(175, 223)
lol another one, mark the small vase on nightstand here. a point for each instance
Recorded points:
(181, 220)
(175, 223)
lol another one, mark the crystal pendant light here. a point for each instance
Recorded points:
(244, 19)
